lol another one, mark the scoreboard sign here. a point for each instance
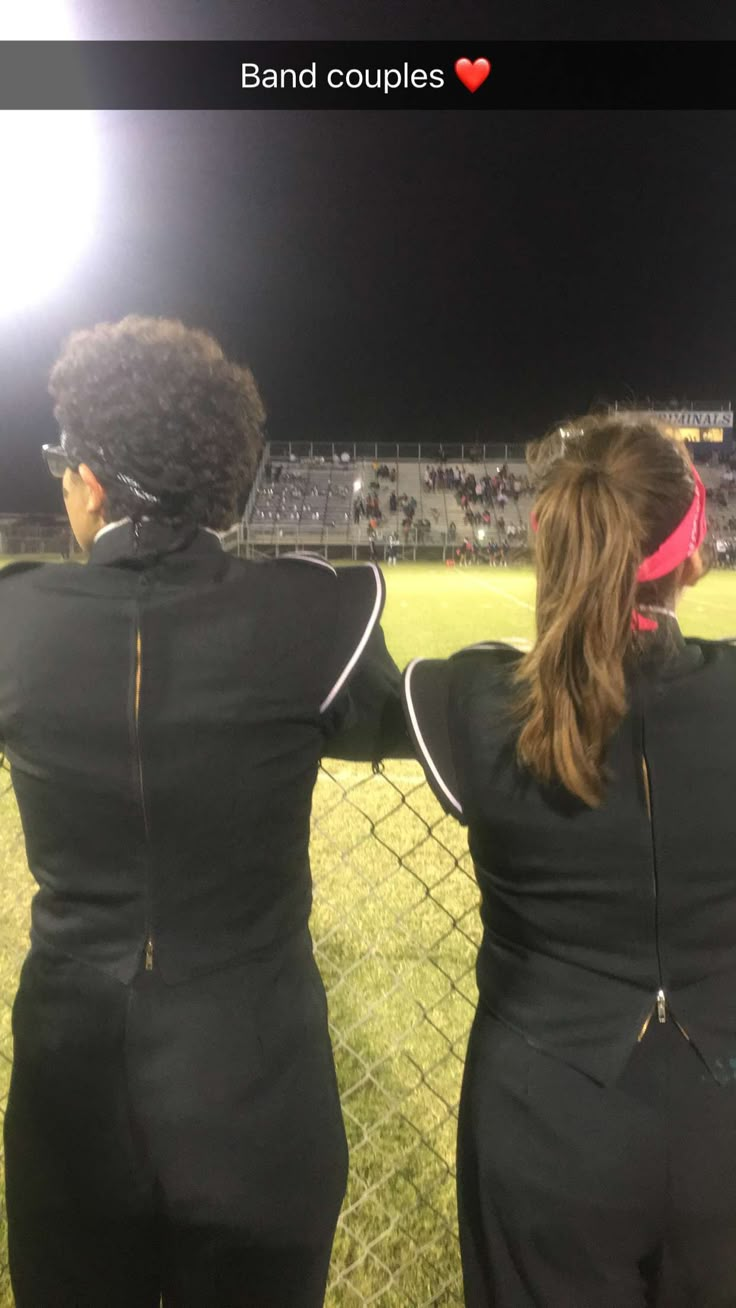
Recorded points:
(701, 419)
(696, 425)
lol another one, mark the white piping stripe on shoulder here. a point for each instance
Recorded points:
(420, 738)
(361, 644)
(310, 558)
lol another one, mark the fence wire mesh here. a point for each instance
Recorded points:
(396, 929)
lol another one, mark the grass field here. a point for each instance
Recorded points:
(396, 929)
(432, 610)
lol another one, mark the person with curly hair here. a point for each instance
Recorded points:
(173, 1126)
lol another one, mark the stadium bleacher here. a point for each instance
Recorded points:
(305, 500)
(308, 503)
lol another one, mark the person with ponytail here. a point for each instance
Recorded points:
(595, 774)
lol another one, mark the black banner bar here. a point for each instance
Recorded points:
(470, 75)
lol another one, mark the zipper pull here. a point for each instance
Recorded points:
(149, 959)
(661, 1006)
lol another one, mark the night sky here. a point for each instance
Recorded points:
(404, 275)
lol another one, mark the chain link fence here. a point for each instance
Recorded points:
(28, 534)
(59, 546)
(396, 930)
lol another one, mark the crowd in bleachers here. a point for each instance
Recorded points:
(403, 506)
(382, 472)
(481, 514)
(471, 486)
(724, 550)
(721, 487)
(473, 551)
(298, 495)
(369, 508)
(483, 497)
(484, 520)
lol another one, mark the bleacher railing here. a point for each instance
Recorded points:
(426, 451)
(417, 544)
(61, 545)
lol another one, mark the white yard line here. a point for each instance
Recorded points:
(524, 604)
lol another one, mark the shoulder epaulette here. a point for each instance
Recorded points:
(431, 765)
(377, 600)
(304, 557)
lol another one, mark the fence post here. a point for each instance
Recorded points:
(257, 482)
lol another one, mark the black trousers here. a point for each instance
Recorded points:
(184, 1142)
(576, 1196)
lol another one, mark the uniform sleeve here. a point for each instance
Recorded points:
(361, 711)
(426, 690)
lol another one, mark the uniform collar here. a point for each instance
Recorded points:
(115, 542)
(665, 653)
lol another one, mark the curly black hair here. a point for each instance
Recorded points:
(167, 409)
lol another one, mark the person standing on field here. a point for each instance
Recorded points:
(174, 1127)
(595, 775)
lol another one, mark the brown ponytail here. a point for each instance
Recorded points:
(611, 491)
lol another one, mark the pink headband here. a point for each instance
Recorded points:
(685, 540)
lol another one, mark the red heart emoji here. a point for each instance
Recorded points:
(472, 75)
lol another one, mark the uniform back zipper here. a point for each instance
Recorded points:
(148, 960)
(660, 1005)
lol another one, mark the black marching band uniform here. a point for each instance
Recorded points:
(174, 1118)
(597, 1133)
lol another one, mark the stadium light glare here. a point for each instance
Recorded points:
(40, 20)
(49, 166)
